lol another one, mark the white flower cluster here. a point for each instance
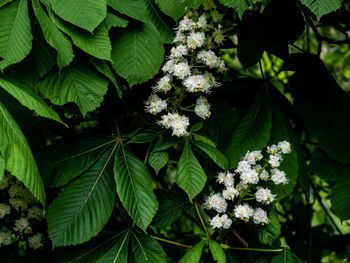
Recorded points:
(19, 215)
(252, 169)
(190, 68)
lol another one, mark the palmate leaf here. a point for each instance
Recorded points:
(137, 53)
(252, 132)
(146, 249)
(76, 83)
(134, 187)
(16, 36)
(19, 160)
(27, 97)
(87, 14)
(87, 204)
(190, 175)
(96, 44)
(54, 37)
(322, 7)
(176, 8)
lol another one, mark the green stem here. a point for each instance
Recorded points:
(171, 242)
(147, 153)
(201, 219)
(252, 249)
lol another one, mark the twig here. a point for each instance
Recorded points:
(240, 239)
(171, 242)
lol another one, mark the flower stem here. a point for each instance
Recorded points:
(252, 249)
(201, 219)
(170, 242)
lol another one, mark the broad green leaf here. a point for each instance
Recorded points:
(54, 37)
(176, 8)
(27, 97)
(62, 162)
(113, 20)
(143, 138)
(2, 167)
(213, 153)
(119, 252)
(16, 36)
(162, 145)
(158, 160)
(217, 252)
(133, 8)
(286, 256)
(76, 83)
(104, 69)
(252, 132)
(146, 249)
(322, 7)
(340, 197)
(271, 231)
(96, 44)
(203, 139)
(171, 206)
(87, 14)
(190, 175)
(193, 255)
(134, 187)
(4, 2)
(137, 53)
(87, 204)
(239, 5)
(19, 160)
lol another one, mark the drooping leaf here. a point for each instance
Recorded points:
(16, 34)
(171, 207)
(158, 160)
(27, 97)
(217, 252)
(190, 175)
(112, 20)
(252, 132)
(239, 5)
(322, 7)
(134, 187)
(87, 204)
(119, 251)
(78, 84)
(96, 43)
(137, 53)
(146, 249)
(194, 254)
(87, 14)
(19, 160)
(176, 8)
(54, 37)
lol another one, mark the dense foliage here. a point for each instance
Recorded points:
(87, 174)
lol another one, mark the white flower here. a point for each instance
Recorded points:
(249, 177)
(243, 166)
(35, 241)
(154, 104)
(182, 70)
(177, 122)
(221, 178)
(253, 157)
(180, 37)
(264, 195)
(163, 84)
(218, 36)
(260, 216)
(222, 66)
(209, 58)
(243, 212)
(202, 108)
(195, 40)
(285, 147)
(211, 79)
(5, 209)
(5, 238)
(230, 193)
(178, 52)
(272, 149)
(197, 83)
(169, 66)
(229, 180)
(186, 24)
(217, 202)
(35, 212)
(202, 22)
(278, 177)
(4, 182)
(275, 160)
(216, 222)
(226, 222)
(264, 175)
(21, 224)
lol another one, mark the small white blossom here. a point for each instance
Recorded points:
(178, 52)
(273, 149)
(275, 160)
(169, 66)
(35, 212)
(177, 122)
(211, 79)
(197, 83)
(260, 216)
(278, 177)
(230, 193)
(182, 70)
(208, 58)
(35, 241)
(154, 104)
(249, 177)
(264, 175)
(229, 180)
(5, 238)
(195, 40)
(202, 22)
(216, 222)
(222, 66)
(285, 147)
(218, 36)
(202, 108)
(253, 157)
(163, 84)
(243, 212)
(180, 37)
(226, 221)
(243, 166)
(21, 225)
(264, 195)
(217, 202)
(186, 24)
(221, 178)
(5, 209)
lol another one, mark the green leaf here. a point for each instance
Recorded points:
(322, 7)
(27, 97)
(133, 8)
(340, 197)
(16, 34)
(252, 132)
(2, 167)
(217, 252)
(87, 14)
(54, 37)
(213, 153)
(96, 44)
(176, 8)
(87, 204)
(158, 160)
(4, 2)
(76, 83)
(286, 256)
(143, 138)
(112, 20)
(134, 187)
(19, 160)
(190, 175)
(203, 139)
(194, 254)
(271, 231)
(137, 53)
(146, 249)
(239, 5)
(162, 145)
(119, 251)
(171, 206)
